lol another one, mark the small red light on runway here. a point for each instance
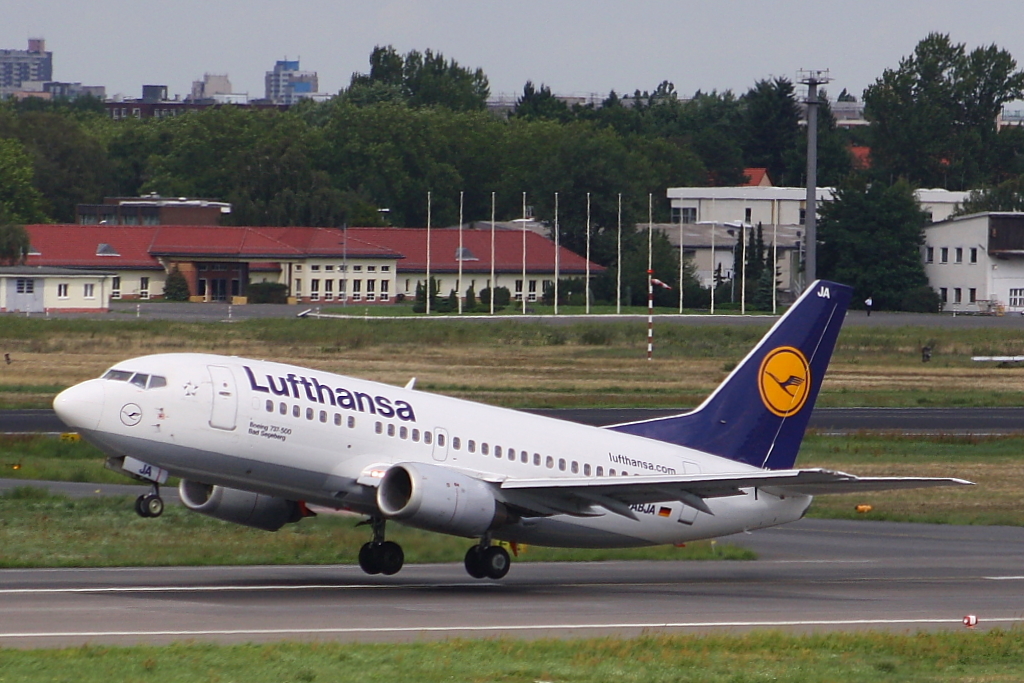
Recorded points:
(970, 621)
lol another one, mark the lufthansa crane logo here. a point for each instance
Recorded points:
(131, 414)
(784, 381)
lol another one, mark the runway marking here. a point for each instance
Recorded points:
(505, 627)
(1004, 578)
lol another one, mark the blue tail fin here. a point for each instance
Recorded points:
(758, 415)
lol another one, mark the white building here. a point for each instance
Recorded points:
(976, 262)
(32, 289)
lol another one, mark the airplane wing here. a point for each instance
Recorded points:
(579, 497)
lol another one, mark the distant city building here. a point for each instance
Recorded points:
(33, 64)
(286, 84)
(216, 89)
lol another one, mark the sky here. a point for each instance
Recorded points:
(581, 47)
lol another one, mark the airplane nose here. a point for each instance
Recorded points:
(80, 406)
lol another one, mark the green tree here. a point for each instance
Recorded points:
(771, 117)
(176, 286)
(933, 119)
(20, 201)
(871, 239)
(540, 104)
(423, 79)
(14, 243)
(1006, 196)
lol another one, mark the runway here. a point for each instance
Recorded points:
(815, 575)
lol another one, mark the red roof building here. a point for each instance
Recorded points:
(757, 177)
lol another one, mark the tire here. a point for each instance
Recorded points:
(496, 562)
(390, 558)
(369, 559)
(474, 563)
(140, 507)
(153, 505)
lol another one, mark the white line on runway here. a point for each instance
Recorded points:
(503, 627)
(1004, 578)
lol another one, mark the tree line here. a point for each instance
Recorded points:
(418, 122)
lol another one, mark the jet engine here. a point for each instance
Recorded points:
(241, 507)
(438, 499)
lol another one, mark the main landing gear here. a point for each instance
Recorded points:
(487, 561)
(380, 556)
(150, 504)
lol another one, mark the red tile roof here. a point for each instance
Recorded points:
(263, 243)
(78, 246)
(861, 156)
(444, 243)
(757, 177)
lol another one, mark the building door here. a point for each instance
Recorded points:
(25, 295)
(225, 398)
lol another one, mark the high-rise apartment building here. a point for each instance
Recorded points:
(33, 64)
(286, 84)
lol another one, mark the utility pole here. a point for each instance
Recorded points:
(812, 79)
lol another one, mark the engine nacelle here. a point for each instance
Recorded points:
(241, 507)
(438, 499)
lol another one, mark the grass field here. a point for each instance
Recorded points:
(519, 364)
(988, 656)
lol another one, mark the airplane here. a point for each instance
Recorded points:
(256, 443)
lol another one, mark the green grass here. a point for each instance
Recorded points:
(40, 530)
(995, 655)
(31, 456)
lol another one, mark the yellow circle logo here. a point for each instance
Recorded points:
(784, 381)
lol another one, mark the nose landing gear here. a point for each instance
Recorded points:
(150, 504)
(380, 556)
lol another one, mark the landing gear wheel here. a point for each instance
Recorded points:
(152, 505)
(390, 557)
(475, 562)
(369, 559)
(496, 562)
(140, 507)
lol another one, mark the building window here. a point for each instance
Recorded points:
(959, 255)
(371, 269)
(115, 287)
(944, 254)
(957, 295)
(357, 289)
(929, 255)
(973, 294)
(298, 286)
(686, 214)
(314, 289)
(25, 286)
(519, 290)
(533, 290)
(143, 287)
(357, 269)
(385, 294)
(944, 294)
(89, 291)
(974, 254)
(314, 268)
(328, 289)
(747, 214)
(385, 269)
(1016, 298)
(62, 291)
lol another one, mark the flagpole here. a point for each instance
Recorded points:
(458, 287)
(681, 264)
(523, 226)
(428, 289)
(618, 264)
(586, 293)
(558, 255)
(492, 287)
(650, 275)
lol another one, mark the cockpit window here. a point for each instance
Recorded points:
(118, 375)
(156, 381)
(139, 380)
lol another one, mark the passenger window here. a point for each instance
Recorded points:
(472, 446)
(440, 440)
(561, 464)
(524, 456)
(296, 411)
(415, 435)
(391, 430)
(586, 469)
(575, 467)
(512, 454)
(549, 462)
(484, 449)
(378, 427)
(270, 406)
(456, 443)
(611, 473)
(403, 433)
(337, 419)
(156, 381)
(118, 375)
(323, 416)
(309, 413)
(283, 409)
(625, 473)
(497, 451)
(428, 437)
(351, 422)
(139, 380)
(600, 471)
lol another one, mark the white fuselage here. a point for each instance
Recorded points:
(314, 436)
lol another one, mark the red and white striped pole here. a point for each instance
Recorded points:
(650, 315)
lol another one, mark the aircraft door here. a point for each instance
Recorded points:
(440, 451)
(225, 398)
(688, 515)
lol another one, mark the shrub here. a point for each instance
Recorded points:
(176, 286)
(268, 293)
